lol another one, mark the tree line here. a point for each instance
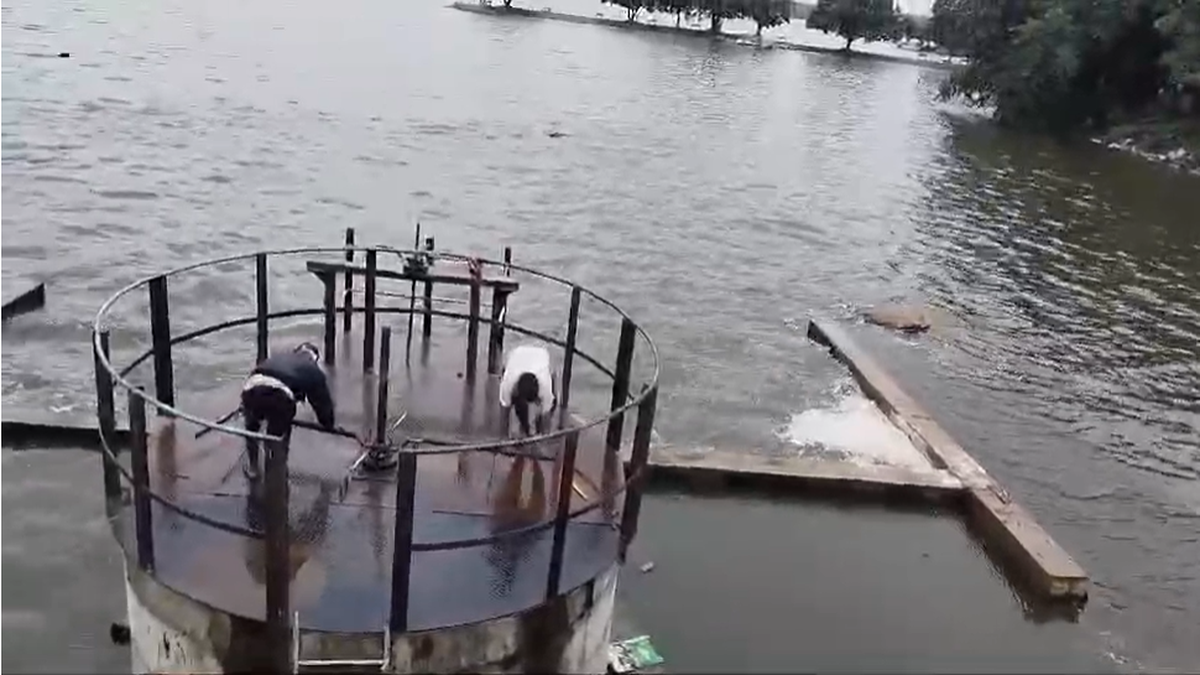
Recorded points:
(764, 13)
(1051, 65)
(850, 19)
(1069, 65)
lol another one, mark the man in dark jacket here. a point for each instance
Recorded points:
(276, 386)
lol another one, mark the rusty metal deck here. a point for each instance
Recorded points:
(342, 550)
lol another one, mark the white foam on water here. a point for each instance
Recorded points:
(853, 429)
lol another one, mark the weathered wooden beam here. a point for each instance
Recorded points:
(1009, 530)
(29, 301)
(709, 469)
(324, 268)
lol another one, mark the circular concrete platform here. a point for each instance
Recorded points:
(340, 555)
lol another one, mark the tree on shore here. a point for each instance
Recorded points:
(911, 28)
(769, 13)
(720, 10)
(632, 7)
(676, 7)
(1063, 65)
(1180, 25)
(854, 19)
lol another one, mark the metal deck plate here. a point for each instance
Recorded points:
(342, 550)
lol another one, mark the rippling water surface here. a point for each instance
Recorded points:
(720, 194)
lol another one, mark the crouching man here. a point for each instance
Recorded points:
(275, 387)
(528, 387)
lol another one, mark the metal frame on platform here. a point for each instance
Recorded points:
(275, 532)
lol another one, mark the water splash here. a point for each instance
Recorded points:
(852, 429)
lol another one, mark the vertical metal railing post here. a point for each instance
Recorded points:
(368, 355)
(277, 539)
(160, 336)
(496, 329)
(143, 528)
(348, 284)
(427, 319)
(562, 513)
(412, 298)
(473, 327)
(402, 539)
(106, 416)
(381, 403)
(499, 315)
(261, 306)
(620, 390)
(568, 364)
(638, 460)
(330, 316)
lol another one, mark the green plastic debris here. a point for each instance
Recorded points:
(633, 655)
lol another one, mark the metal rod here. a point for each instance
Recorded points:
(566, 481)
(368, 355)
(412, 299)
(381, 406)
(277, 538)
(496, 327)
(143, 528)
(348, 284)
(330, 282)
(264, 310)
(620, 390)
(402, 539)
(160, 337)
(568, 365)
(496, 330)
(473, 329)
(106, 415)
(637, 469)
(427, 325)
(406, 296)
(220, 420)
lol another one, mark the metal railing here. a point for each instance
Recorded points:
(276, 533)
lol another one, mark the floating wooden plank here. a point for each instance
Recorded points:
(1007, 528)
(29, 301)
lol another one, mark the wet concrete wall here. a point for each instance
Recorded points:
(171, 633)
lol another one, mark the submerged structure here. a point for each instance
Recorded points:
(423, 537)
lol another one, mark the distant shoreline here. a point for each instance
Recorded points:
(744, 40)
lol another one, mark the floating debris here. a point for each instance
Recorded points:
(119, 633)
(633, 655)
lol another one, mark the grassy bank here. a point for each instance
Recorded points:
(740, 39)
(1172, 141)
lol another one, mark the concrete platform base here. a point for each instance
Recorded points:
(171, 633)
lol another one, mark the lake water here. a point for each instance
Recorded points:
(719, 193)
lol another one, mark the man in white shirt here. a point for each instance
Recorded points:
(528, 386)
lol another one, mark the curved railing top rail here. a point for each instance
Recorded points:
(109, 378)
(104, 361)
